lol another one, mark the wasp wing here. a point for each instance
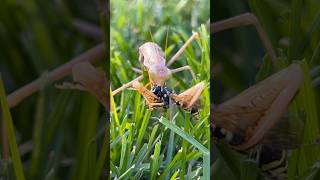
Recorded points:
(151, 98)
(256, 110)
(188, 98)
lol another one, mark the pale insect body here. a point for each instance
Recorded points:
(152, 59)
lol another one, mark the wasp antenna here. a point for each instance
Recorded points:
(166, 45)
(151, 36)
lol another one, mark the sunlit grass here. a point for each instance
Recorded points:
(141, 146)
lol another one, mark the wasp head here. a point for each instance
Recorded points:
(163, 93)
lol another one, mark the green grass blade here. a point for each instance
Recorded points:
(184, 135)
(102, 159)
(141, 154)
(127, 172)
(155, 163)
(174, 161)
(87, 130)
(17, 165)
(191, 140)
(295, 30)
(143, 128)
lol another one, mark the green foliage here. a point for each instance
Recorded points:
(60, 134)
(141, 146)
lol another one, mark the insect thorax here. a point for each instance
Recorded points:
(163, 93)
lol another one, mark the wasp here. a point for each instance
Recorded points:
(253, 120)
(152, 59)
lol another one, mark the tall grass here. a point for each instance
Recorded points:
(9, 129)
(59, 134)
(142, 145)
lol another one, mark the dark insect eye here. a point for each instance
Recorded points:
(156, 90)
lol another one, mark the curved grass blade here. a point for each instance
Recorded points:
(17, 165)
(205, 152)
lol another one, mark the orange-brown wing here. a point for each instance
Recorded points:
(189, 97)
(256, 110)
(150, 97)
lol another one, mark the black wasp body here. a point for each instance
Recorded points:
(163, 93)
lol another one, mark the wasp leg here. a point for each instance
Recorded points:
(180, 51)
(188, 98)
(151, 99)
(183, 68)
(152, 105)
(245, 20)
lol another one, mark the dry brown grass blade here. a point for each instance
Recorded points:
(92, 55)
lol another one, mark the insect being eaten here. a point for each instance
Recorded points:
(152, 59)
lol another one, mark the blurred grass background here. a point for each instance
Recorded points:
(240, 61)
(142, 145)
(59, 133)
